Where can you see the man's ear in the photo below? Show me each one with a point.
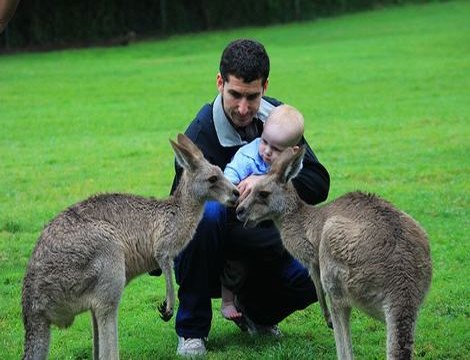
(265, 87)
(220, 83)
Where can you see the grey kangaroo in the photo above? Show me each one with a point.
(87, 254)
(359, 249)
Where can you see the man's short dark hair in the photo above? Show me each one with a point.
(245, 59)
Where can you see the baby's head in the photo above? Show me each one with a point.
(283, 128)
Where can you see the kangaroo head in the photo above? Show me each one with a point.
(270, 197)
(202, 180)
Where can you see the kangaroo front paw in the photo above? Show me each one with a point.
(165, 314)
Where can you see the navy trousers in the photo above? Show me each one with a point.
(276, 283)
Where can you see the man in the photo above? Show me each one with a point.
(276, 285)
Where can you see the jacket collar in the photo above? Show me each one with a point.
(226, 133)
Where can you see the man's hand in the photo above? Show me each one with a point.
(247, 184)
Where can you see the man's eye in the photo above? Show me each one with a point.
(213, 179)
(252, 97)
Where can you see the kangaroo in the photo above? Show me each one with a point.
(359, 249)
(87, 254)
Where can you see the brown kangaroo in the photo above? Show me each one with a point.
(87, 254)
(359, 249)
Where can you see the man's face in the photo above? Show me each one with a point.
(241, 100)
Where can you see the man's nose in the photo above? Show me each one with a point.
(243, 106)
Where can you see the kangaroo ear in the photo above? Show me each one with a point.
(187, 143)
(288, 164)
(187, 154)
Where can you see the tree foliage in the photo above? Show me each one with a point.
(63, 23)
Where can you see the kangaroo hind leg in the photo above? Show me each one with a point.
(340, 316)
(401, 323)
(107, 334)
(37, 338)
(106, 298)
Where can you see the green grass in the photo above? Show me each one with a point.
(386, 99)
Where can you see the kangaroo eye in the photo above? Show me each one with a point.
(264, 194)
(213, 179)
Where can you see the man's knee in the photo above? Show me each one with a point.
(203, 251)
(214, 213)
(299, 283)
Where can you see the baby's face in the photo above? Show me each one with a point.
(273, 142)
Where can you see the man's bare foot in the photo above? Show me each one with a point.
(230, 312)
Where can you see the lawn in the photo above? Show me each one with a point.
(386, 99)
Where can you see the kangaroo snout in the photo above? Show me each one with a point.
(231, 199)
(241, 213)
(235, 195)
